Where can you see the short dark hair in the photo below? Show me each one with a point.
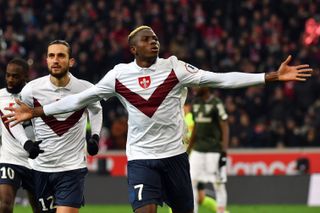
(63, 42)
(20, 62)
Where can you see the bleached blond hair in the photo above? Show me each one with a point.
(136, 30)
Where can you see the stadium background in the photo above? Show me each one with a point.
(249, 36)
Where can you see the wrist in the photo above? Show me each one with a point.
(272, 76)
(28, 145)
(95, 137)
(37, 112)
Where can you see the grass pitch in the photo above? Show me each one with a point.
(231, 208)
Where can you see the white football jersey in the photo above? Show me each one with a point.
(63, 136)
(153, 99)
(11, 151)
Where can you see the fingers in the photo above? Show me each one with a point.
(302, 66)
(287, 60)
(300, 79)
(8, 116)
(38, 142)
(11, 109)
(305, 71)
(13, 123)
(11, 120)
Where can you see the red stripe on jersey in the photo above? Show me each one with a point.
(150, 106)
(5, 124)
(60, 127)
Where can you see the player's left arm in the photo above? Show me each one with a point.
(95, 118)
(189, 75)
(224, 126)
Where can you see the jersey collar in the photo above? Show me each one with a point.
(67, 87)
(151, 68)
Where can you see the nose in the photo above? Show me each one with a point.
(55, 59)
(10, 81)
(153, 41)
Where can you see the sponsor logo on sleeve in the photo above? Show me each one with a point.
(191, 68)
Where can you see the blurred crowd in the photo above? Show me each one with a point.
(218, 35)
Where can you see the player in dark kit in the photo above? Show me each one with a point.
(209, 141)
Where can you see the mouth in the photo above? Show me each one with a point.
(55, 67)
(155, 49)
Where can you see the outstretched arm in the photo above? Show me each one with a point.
(238, 79)
(66, 104)
(102, 90)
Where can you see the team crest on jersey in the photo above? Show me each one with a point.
(191, 68)
(144, 81)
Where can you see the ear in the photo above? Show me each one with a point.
(133, 50)
(72, 62)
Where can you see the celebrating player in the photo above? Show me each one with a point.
(150, 89)
(60, 171)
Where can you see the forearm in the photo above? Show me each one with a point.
(95, 119)
(19, 133)
(225, 136)
(71, 103)
(231, 79)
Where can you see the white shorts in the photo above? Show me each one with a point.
(204, 167)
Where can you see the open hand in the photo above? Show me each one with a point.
(293, 73)
(18, 114)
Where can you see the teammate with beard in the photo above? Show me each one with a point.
(150, 88)
(60, 171)
(15, 171)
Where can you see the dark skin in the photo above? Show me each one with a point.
(15, 79)
(145, 47)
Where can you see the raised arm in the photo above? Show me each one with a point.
(189, 75)
(285, 72)
(102, 90)
(66, 104)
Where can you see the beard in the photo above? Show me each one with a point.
(16, 89)
(59, 74)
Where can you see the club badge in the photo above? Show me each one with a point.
(144, 81)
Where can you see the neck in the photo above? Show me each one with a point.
(145, 63)
(60, 82)
(206, 96)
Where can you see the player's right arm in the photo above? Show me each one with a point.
(102, 90)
